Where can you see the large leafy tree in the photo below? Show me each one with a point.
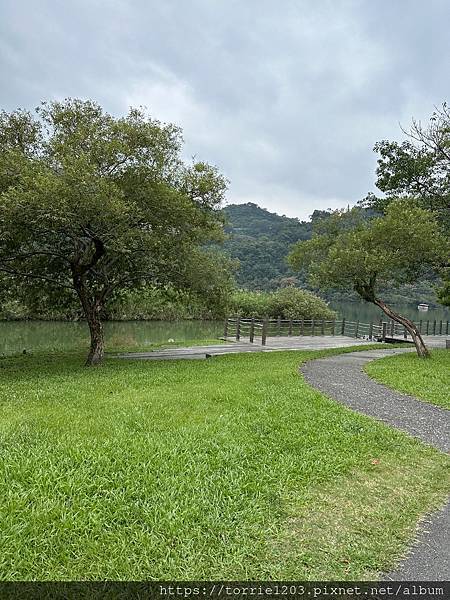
(348, 252)
(419, 169)
(91, 205)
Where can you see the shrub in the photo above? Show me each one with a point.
(161, 305)
(288, 303)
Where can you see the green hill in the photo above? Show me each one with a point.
(261, 241)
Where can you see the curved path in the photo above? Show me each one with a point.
(341, 377)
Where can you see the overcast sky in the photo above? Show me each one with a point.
(286, 97)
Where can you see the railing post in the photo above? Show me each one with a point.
(383, 335)
(392, 328)
(371, 330)
(252, 330)
(343, 326)
(420, 326)
(446, 329)
(225, 328)
(322, 328)
(302, 327)
(434, 327)
(356, 328)
(313, 325)
(334, 327)
(238, 329)
(440, 327)
(290, 328)
(405, 333)
(264, 333)
(428, 326)
(279, 326)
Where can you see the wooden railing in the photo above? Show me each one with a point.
(253, 329)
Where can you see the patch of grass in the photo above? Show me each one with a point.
(230, 468)
(427, 379)
(115, 349)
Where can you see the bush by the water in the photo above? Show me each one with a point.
(288, 303)
(146, 304)
(153, 304)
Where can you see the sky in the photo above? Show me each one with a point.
(286, 97)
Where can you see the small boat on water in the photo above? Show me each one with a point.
(422, 307)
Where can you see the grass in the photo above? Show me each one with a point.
(427, 379)
(156, 346)
(231, 468)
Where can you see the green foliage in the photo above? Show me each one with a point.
(289, 303)
(92, 205)
(260, 240)
(231, 468)
(444, 291)
(159, 304)
(419, 169)
(351, 253)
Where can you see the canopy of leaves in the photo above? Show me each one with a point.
(109, 200)
(349, 252)
(419, 168)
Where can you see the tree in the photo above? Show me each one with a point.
(349, 252)
(91, 205)
(419, 169)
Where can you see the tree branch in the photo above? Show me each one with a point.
(32, 276)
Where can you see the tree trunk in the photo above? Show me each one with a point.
(97, 348)
(91, 309)
(422, 350)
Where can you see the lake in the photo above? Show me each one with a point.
(365, 312)
(36, 336)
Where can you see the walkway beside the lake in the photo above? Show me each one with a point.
(276, 343)
(342, 378)
(303, 342)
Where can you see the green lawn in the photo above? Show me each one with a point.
(229, 468)
(427, 379)
(156, 347)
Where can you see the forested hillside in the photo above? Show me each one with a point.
(261, 241)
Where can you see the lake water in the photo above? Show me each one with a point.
(16, 336)
(36, 336)
(365, 312)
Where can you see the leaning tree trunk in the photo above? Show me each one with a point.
(422, 350)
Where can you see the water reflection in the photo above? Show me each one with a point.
(34, 336)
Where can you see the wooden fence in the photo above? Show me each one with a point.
(254, 329)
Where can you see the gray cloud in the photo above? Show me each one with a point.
(287, 98)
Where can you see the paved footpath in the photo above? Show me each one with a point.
(305, 342)
(278, 343)
(342, 378)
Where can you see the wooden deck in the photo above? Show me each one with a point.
(275, 344)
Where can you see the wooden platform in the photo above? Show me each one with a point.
(317, 342)
(273, 344)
